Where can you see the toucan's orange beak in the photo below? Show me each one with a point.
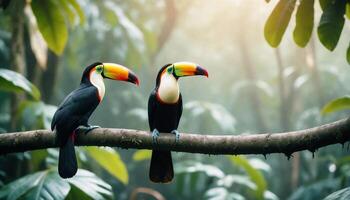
(119, 72)
(189, 69)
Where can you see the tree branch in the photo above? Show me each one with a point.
(287, 143)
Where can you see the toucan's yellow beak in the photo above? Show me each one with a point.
(119, 72)
(189, 69)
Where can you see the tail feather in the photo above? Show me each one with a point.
(67, 163)
(161, 169)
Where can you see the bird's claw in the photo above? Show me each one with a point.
(86, 129)
(155, 135)
(177, 135)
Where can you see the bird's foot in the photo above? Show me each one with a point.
(86, 129)
(155, 135)
(177, 135)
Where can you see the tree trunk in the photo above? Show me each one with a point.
(49, 77)
(284, 115)
(310, 58)
(284, 123)
(18, 63)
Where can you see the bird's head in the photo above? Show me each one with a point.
(181, 69)
(110, 71)
(167, 85)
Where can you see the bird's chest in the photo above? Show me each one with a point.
(168, 91)
(97, 81)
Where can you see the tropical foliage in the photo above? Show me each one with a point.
(251, 89)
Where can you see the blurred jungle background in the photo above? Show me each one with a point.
(252, 88)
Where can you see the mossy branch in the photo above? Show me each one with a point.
(287, 143)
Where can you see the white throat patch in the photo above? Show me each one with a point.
(168, 90)
(97, 80)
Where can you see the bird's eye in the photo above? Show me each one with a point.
(170, 69)
(99, 68)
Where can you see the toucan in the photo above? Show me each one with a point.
(164, 113)
(74, 112)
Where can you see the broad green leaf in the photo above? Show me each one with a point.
(221, 193)
(316, 190)
(254, 174)
(91, 185)
(15, 82)
(75, 193)
(110, 160)
(343, 194)
(51, 24)
(209, 170)
(50, 186)
(143, 154)
(233, 179)
(19, 187)
(278, 21)
(348, 54)
(41, 185)
(304, 22)
(336, 105)
(325, 3)
(331, 24)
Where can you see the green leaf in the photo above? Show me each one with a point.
(51, 24)
(234, 180)
(325, 3)
(91, 185)
(110, 160)
(336, 105)
(41, 185)
(195, 167)
(50, 186)
(15, 82)
(278, 21)
(343, 194)
(19, 187)
(143, 154)
(304, 22)
(254, 174)
(331, 24)
(221, 193)
(316, 190)
(75, 193)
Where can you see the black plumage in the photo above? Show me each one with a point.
(74, 111)
(165, 118)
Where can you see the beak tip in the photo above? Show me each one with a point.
(202, 71)
(133, 78)
(206, 74)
